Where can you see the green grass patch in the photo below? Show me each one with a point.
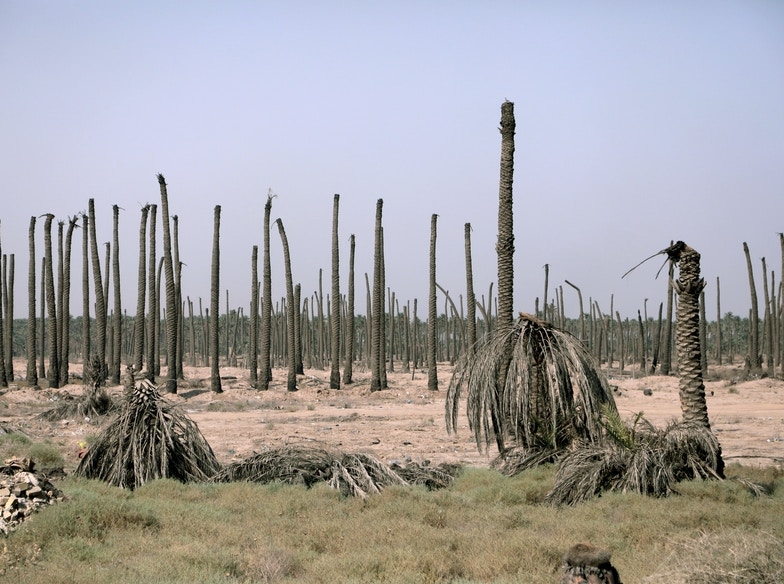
(485, 528)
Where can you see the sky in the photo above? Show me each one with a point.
(638, 123)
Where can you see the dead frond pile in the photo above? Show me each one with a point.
(150, 439)
(353, 474)
(95, 402)
(640, 459)
(513, 461)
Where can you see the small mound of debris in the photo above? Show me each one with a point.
(22, 492)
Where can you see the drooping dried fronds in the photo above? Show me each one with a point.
(93, 404)
(552, 392)
(652, 464)
(354, 474)
(150, 439)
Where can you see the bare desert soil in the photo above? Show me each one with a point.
(404, 422)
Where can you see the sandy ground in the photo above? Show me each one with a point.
(404, 422)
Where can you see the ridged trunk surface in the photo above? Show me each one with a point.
(215, 380)
(291, 379)
(348, 369)
(53, 375)
(334, 377)
(265, 365)
(100, 299)
(171, 292)
(141, 290)
(432, 315)
(152, 302)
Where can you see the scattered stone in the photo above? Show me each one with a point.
(22, 492)
(647, 391)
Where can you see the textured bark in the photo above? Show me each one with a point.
(177, 265)
(432, 315)
(141, 289)
(505, 245)
(265, 365)
(152, 302)
(32, 372)
(291, 380)
(253, 363)
(171, 292)
(348, 368)
(215, 380)
(718, 321)
(755, 359)
(53, 375)
(86, 348)
(334, 377)
(8, 303)
(377, 296)
(470, 297)
(3, 301)
(117, 320)
(665, 349)
(65, 314)
(100, 299)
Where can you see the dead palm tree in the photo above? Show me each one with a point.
(117, 320)
(432, 314)
(505, 245)
(348, 368)
(152, 306)
(100, 298)
(85, 292)
(215, 380)
(755, 358)
(470, 297)
(376, 341)
(334, 377)
(32, 372)
(666, 344)
(3, 301)
(65, 315)
(171, 292)
(8, 303)
(291, 380)
(266, 303)
(54, 353)
(141, 287)
(253, 348)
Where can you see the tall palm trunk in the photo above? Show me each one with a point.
(32, 372)
(8, 306)
(291, 381)
(755, 359)
(42, 322)
(718, 321)
(65, 313)
(3, 301)
(298, 365)
(141, 288)
(117, 320)
(59, 299)
(432, 315)
(254, 318)
(334, 378)
(470, 296)
(666, 344)
(215, 381)
(85, 292)
(177, 266)
(171, 292)
(100, 299)
(348, 368)
(152, 306)
(266, 304)
(505, 245)
(53, 375)
(377, 298)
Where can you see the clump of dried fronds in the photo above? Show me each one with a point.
(513, 461)
(432, 477)
(532, 384)
(95, 402)
(150, 439)
(354, 474)
(738, 555)
(642, 459)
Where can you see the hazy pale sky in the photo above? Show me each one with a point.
(638, 123)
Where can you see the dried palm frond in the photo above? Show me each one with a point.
(94, 403)
(652, 465)
(150, 439)
(354, 474)
(552, 391)
(432, 477)
(513, 461)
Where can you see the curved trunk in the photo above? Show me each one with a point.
(171, 292)
(291, 381)
(755, 359)
(215, 381)
(432, 315)
(100, 299)
(334, 377)
(266, 305)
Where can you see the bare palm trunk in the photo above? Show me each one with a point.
(117, 320)
(53, 375)
(334, 377)
(376, 341)
(215, 380)
(32, 372)
(266, 304)
(348, 368)
(141, 287)
(171, 292)
(8, 297)
(432, 315)
(3, 301)
(254, 318)
(470, 297)
(65, 313)
(100, 299)
(85, 293)
(755, 359)
(291, 381)
(152, 306)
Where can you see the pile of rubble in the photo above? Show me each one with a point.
(22, 492)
